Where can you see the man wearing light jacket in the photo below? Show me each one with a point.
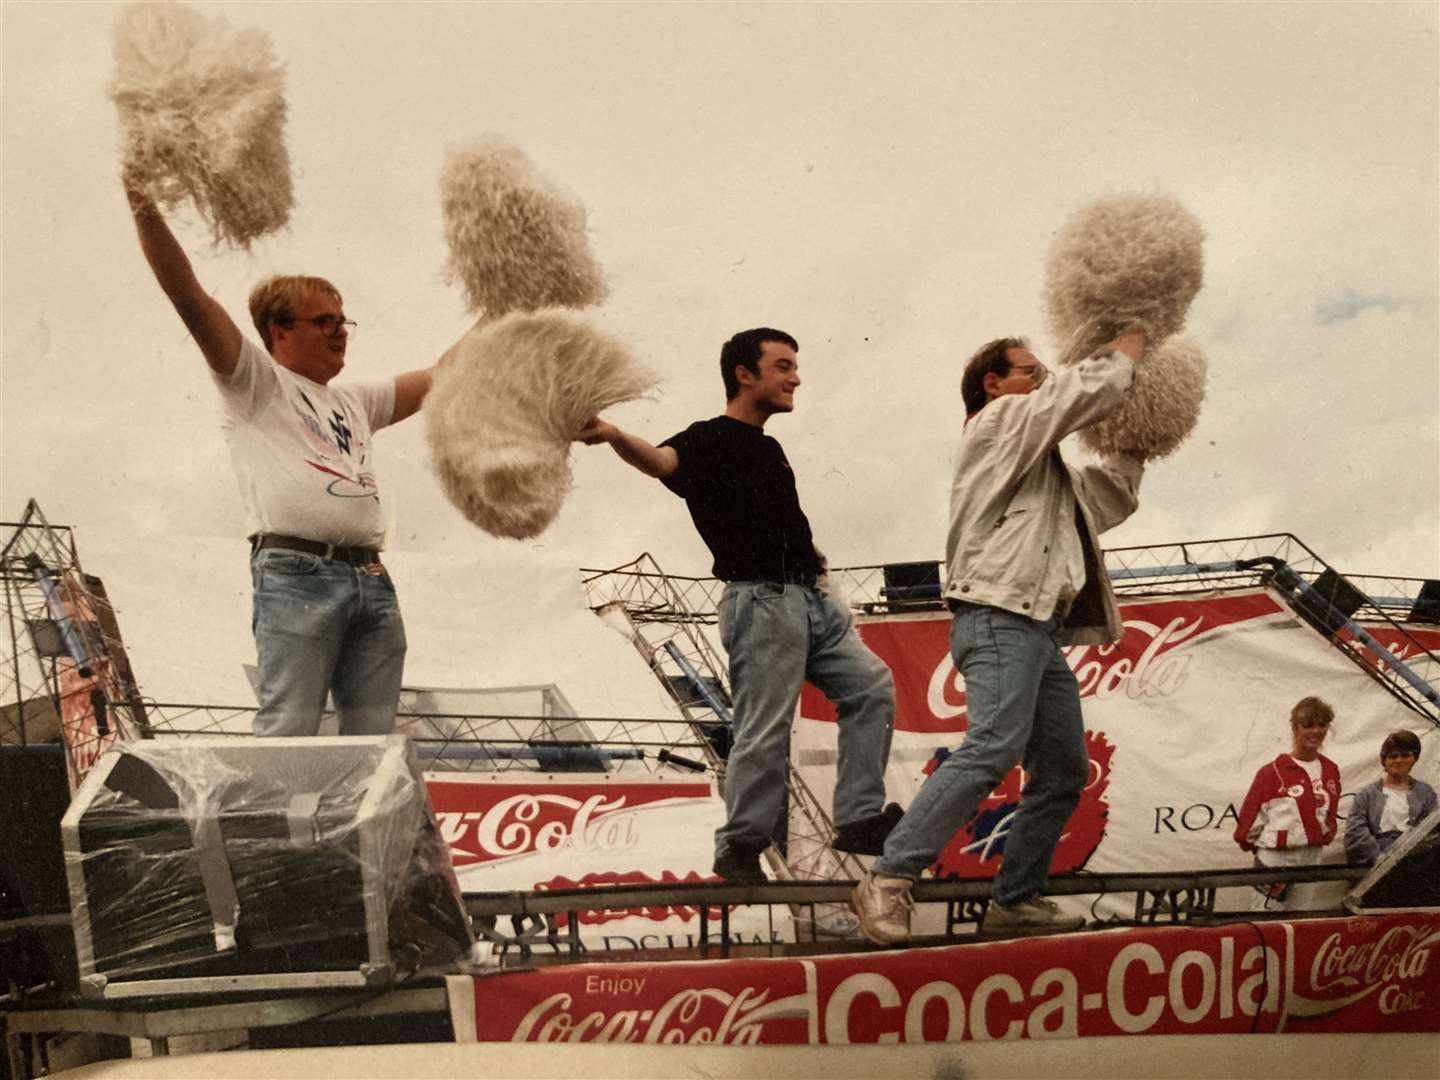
(1024, 577)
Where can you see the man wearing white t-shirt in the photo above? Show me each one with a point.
(325, 615)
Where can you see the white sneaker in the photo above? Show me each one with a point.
(1037, 915)
(884, 904)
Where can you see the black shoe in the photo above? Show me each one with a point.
(867, 836)
(740, 865)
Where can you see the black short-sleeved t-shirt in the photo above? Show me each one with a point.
(741, 494)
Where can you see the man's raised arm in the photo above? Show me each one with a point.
(213, 329)
(656, 461)
(411, 387)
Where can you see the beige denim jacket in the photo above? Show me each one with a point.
(1023, 523)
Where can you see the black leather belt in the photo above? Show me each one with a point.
(355, 556)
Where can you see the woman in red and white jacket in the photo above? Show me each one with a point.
(1289, 813)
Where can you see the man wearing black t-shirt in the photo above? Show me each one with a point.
(778, 625)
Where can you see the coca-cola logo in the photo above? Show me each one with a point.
(1147, 662)
(1106, 985)
(1402, 952)
(703, 1015)
(1140, 981)
(1152, 660)
(484, 822)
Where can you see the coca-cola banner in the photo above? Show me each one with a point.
(527, 834)
(1179, 715)
(1370, 974)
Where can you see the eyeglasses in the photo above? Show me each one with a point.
(1036, 371)
(329, 325)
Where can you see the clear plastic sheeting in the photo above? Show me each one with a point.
(226, 857)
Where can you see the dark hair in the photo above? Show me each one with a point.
(1312, 709)
(990, 357)
(1402, 741)
(743, 350)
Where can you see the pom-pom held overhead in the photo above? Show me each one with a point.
(503, 413)
(202, 117)
(517, 240)
(1122, 261)
(1162, 407)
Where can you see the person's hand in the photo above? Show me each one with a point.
(1131, 343)
(596, 431)
(140, 203)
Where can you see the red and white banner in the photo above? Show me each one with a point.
(1179, 715)
(1371, 974)
(509, 831)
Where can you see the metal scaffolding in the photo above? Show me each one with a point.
(65, 675)
(667, 619)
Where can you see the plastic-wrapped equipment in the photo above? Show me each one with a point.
(213, 863)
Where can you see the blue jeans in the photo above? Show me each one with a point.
(777, 636)
(323, 625)
(1023, 704)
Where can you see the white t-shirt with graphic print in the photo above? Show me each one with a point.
(302, 452)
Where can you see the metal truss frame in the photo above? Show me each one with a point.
(64, 669)
(475, 742)
(667, 618)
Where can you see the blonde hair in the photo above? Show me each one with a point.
(272, 300)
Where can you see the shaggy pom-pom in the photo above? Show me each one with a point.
(517, 241)
(202, 117)
(502, 415)
(1118, 262)
(1162, 407)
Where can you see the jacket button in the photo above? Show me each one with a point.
(1045, 550)
(1026, 605)
(964, 588)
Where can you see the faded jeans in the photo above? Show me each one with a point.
(322, 625)
(778, 636)
(1023, 705)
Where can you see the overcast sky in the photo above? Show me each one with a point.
(880, 180)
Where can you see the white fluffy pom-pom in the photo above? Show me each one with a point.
(517, 241)
(502, 415)
(202, 117)
(1122, 261)
(1162, 407)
